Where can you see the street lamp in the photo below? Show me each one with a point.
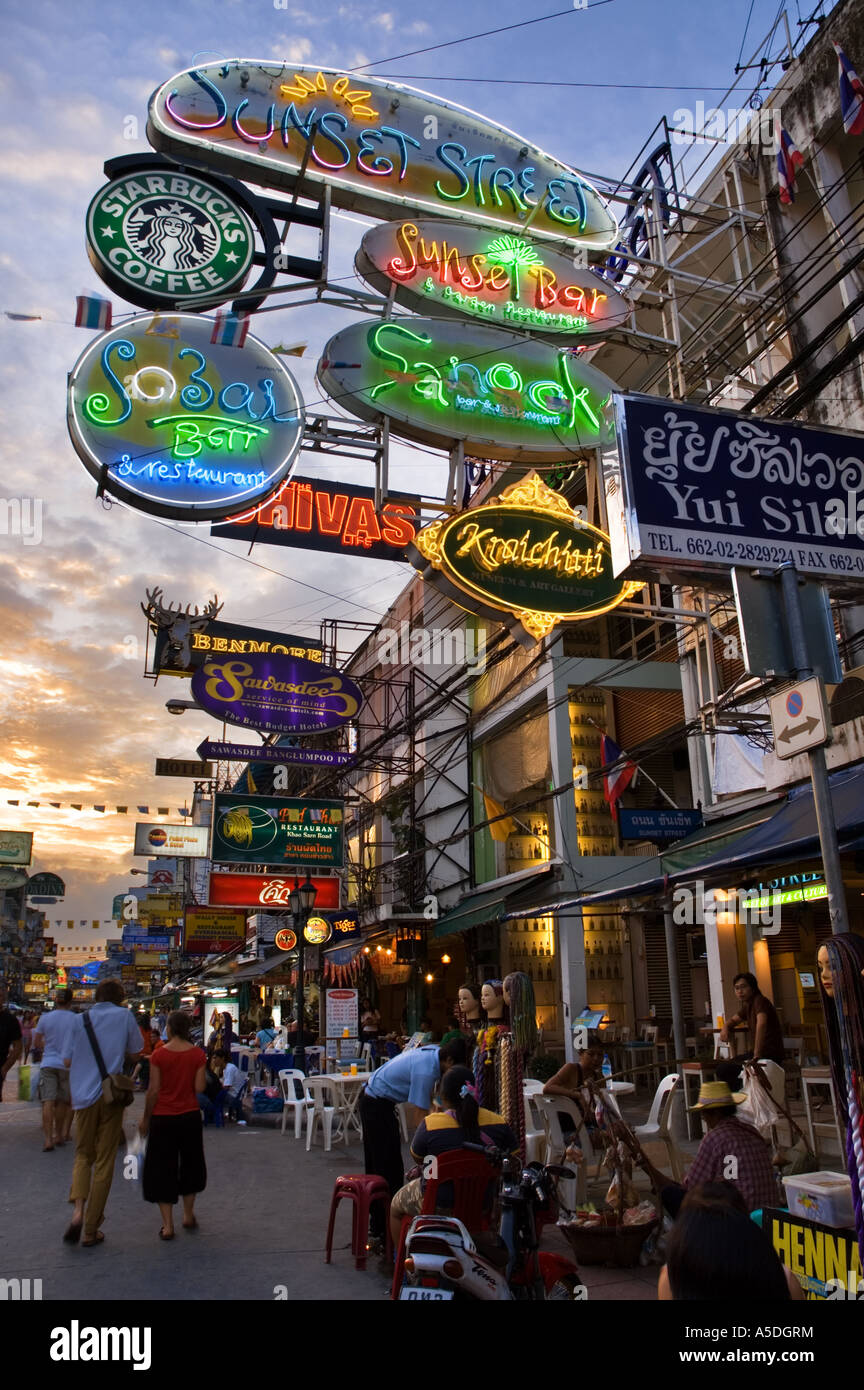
(302, 899)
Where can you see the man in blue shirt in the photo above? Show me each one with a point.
(408, 1079)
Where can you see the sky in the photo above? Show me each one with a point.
(80, 723)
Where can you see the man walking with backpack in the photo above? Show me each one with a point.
(105, 1040)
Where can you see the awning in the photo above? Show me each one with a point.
(481, 908)
(253, 971)
(767, 836)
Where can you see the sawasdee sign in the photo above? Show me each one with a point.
(174, 424)
(700, 490)
(277, 830)
(526, 553)
(280, 693)
(163, 238)
(440, 382)
(459, 271)
(377, 145)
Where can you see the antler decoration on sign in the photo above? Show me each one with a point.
(180, 623)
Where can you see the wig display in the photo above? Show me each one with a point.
(487, 1060)
(515, 1048)
(843, 1005)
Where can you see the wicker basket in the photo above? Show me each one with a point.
(608, 1244)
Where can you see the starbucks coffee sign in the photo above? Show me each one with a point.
(526, 553)
(166, 239)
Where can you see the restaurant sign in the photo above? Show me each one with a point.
(277, 830)
(208, 930)
(377, 146)
(267, 890)
(173, 841)
(176, 424)
(339, 518)
(16, 846)
(525, 553)
(162, 237)
(697, 490)
(459, 271)
(440, 382)
(272, 753)
(282, 694)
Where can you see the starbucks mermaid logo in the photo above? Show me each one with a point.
(170, 236)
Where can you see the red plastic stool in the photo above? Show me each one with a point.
(362, 1189)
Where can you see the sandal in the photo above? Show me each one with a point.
(190, 1225)
(165, 1235)
(72, 1234)
(47, 1148)
(97, 1239)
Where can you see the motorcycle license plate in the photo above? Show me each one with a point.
(413, 1295)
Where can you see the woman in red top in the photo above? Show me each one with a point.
(174, 1162)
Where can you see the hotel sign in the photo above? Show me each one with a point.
(459, 271)
(339, 518)
(525, 553)
(282, 694)
(214, 638)
(273, 753)
(440, 382)
(277, 830)
(378, 147)
(178, 426)
(163, 238)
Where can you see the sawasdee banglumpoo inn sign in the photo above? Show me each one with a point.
(378, 146)
(459, 271)
(176, 425)
(440, 382)
(525, 553)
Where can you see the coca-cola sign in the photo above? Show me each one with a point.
(267, 890)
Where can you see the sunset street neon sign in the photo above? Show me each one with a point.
(178, 426)
(506, 279)
(377, 145)
(525, 553)
(440, 382)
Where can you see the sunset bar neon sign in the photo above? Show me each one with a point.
(377, 145)
(462, 271)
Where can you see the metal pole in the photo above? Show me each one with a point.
(678, 1031)
(299, 1050)
(818, 767)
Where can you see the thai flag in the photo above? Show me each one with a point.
(230, 329)
(789, 158)
(851, 95)
(616, 784)
(92, 312)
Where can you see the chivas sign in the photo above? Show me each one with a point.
(283, 694)
(174, 424)
(440, 382)
(467, 272)
(162, 238)
(378, 146)
(525, 553)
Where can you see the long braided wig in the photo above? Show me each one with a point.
(516, 1048)
(523, 1012)
(844, 1020)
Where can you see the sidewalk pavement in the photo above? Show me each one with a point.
(263, 1222)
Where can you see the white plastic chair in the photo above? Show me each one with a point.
(532, 1088)
(402, 1116)
(367, 1055)
(293, 1086)
(327, 1105)
(535, 1130)
(551, 1109)
(657, 1129)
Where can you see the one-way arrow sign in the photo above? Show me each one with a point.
(799, 718)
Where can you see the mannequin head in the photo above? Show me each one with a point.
(468, 1003)
(841, 980)
(519, 996)
(492, 1000)
(826, 975)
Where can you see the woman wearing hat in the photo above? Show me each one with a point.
(731, 1150)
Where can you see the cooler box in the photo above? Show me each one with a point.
(822, 1197)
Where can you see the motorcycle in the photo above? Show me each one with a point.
(443, 1261)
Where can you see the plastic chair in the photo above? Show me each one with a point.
(558, 1140)
(656, 1128)
(535, 1131)
(402, 1117)
(532, 1088)
(793, 1053)
(471, 1176)
(293, 1086)
(362, 1190)
(327, 1105)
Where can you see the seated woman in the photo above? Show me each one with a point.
(569, 1081)
(460, 1121)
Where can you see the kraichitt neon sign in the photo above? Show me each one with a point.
(181, 427)
(439, 382)
(378, 146)
(467, 272)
